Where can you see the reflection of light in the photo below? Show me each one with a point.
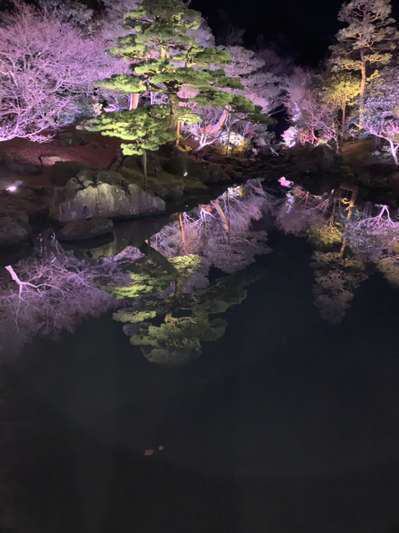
(12, 188)
(185, 174)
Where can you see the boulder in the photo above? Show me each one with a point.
(107, 195)
(13, 230)
(82, 230)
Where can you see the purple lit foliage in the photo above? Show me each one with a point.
(373, 237)
(220, 232)
(48, 69)
(300, 210)
(381, 113)
(313, 120)
(54, 292)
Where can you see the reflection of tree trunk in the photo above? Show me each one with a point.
(134, 100)
(182, 232)
(351, 207)
(363, 83)
(222, 215)
(343, 125)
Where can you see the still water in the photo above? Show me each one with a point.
(286, 424)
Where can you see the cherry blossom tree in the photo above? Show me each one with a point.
(261, 86)
(381, 113)
(313, 118)
(48, 70)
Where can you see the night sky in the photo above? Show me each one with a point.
(303, 29)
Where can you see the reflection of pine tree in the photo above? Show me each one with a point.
(174, 309)
(335, 281)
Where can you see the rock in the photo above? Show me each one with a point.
(13, 230)
(85, 229)
(110, 195)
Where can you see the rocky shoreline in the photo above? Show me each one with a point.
(79, 203)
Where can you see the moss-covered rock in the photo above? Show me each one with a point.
(106, 195)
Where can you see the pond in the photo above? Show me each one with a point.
(286, 423)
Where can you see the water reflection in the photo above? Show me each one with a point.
(349, 242)
(178, 305)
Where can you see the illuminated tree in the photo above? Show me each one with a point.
(145, 129)
(48, 69)
(381, 114)
(260, 86)
(310, 114)
(166, 58)
(367, 42)
(341, 92)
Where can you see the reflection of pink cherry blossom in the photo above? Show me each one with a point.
(285, 183)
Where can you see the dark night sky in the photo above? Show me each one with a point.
(304, 28)
(301, 28)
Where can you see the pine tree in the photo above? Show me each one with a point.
(145, 129)
(167, 59)
(341, 91)
(367, 42)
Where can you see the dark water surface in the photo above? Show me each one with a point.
(287, 424)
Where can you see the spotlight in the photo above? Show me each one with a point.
(12, 188)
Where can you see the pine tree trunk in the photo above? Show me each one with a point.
(134, 101)
(178, 132)
(343, 126)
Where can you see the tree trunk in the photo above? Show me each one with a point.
(134, 101)
(178, 132)
(216, 128)
(394, 151)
